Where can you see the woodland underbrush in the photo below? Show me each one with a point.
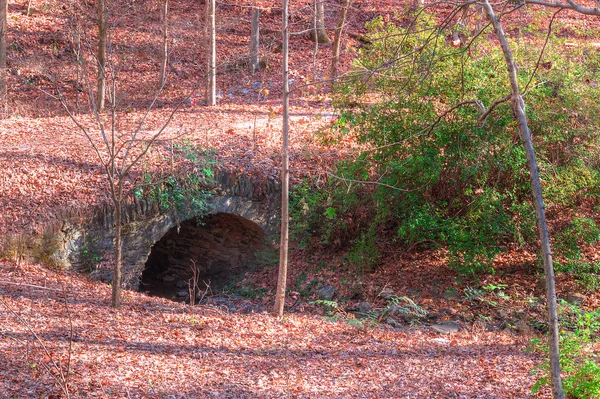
(443, 167)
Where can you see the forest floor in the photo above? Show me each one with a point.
(155, 348)
(54, 320)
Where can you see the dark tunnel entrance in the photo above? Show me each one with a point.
(221, 247)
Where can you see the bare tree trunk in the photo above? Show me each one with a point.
(319, 34)
(3, 31)
(314, 32)
(254, 41)
(118, 259)
(78, 53)
(518, 107)
(28, 7)
(211, 86)
(285, 176)
(102, 39)
(337, 38)
(164, 51)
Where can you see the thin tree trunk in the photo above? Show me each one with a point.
(116, 280)
(102, 38)
(79, 59)
(254, 41)
(285, 176)
(319, 34)
(3, 31)
(164, 51)
(315, 31)
(28, 7)
(518, 107)
(211, 86)
(337, 38)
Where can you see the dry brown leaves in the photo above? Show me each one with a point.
(154, 348)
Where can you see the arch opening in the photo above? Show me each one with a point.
(214, 250)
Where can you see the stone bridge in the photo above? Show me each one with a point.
(242, 215)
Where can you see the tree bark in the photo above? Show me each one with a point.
(518, 107)
(211, 86)
(3, 32)
(318, 34)
(79, 58)
(116, 280)
(285, 176)
(164, 54)
(102, 39)
(255, 41)
(337, 38)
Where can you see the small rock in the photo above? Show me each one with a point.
(362, 315)
(468, 317)
(450, 295)
(245, 308)
(434, 316)
(182, 293)
(446, 327)
(393, 322)
(449, 311)
(387, 293)
(169, 278)
(364, 307)
(257, 308)
(523, 328)
(410, 318)
(395, 309)
(575, 298)
(218, 300)
(221, 301)
(244, 91)
(256, 85)
(326, 293)
(181, 284)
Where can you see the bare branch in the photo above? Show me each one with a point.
(537, 64)
(483, 117)
(570, 5)
(376, 183)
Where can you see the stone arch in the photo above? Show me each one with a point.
(80, 240)
(213, 250)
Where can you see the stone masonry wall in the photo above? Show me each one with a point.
(218, 246)
(84, 242)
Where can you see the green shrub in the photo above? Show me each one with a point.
(586, 273)
(456, 181)
(184, 189)
(364, 254)
(579, 364)
(580, 231)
